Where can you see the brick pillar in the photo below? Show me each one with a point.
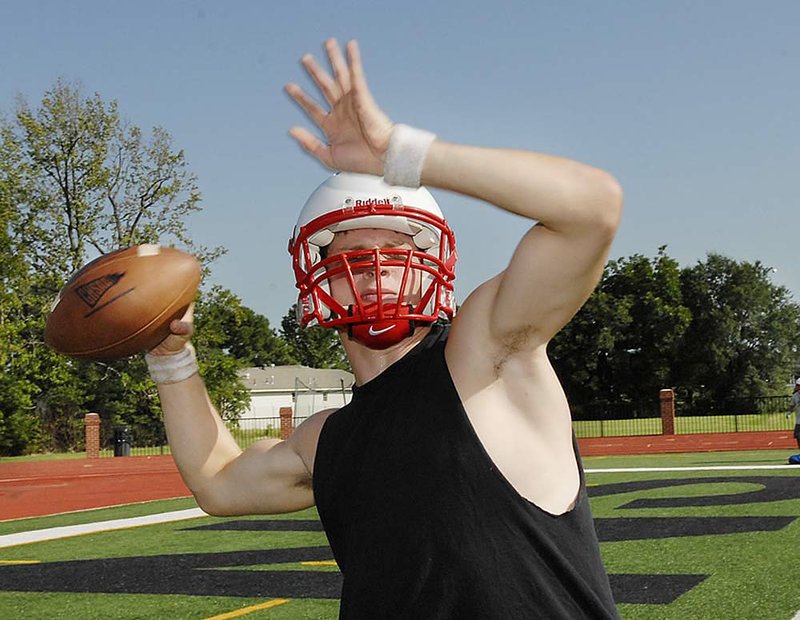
(287, 425)
(667, 398)
(92, 423)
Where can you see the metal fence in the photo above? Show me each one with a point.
(733, 405)
(616, 418)
(256, 430)
(260, 428)
(731, 415)
(597, 419)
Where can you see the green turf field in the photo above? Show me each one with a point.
(734, 532)
(747, 571)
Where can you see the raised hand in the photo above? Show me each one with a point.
(181, 331)
(355, 129)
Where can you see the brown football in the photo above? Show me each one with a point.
(122, 303)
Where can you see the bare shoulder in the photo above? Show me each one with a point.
(305, 437)
(271, 476)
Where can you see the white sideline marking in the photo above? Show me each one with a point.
(22, 538)
(622, 470)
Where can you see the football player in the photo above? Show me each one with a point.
(451, 485)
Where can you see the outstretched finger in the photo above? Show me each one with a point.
(315, 111)
(362, 97)
(341, 72)
(327, 86)
(312, 145)
(359, 80)
(356, 68)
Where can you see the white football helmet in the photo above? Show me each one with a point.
(348, 201)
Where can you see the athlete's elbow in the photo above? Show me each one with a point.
(206, 504)
(210, 508)
(601, 199)
(613, 202)
(213, 503)
(604, 193)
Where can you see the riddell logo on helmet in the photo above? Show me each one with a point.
(372, 201)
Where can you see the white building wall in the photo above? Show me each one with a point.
(309, 403)
(264, 409)
(264, 405)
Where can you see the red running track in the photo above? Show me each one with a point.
(711, 442)
(29, 489)
(36, 488)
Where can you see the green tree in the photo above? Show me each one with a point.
(316, 347)
(242, 332)
(230, 337)
(742, 340)
(18, 424)
(621, 346)
(646, 350)
(77, 181)
(94, 184)
(717, 330)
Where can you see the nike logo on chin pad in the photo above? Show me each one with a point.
(378, 332)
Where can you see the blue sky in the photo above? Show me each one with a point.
(693, 106)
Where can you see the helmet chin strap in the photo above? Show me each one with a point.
(382, 333)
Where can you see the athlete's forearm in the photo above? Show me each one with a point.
(200, 443)
(562, 194)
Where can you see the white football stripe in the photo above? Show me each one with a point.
(22, 538)
(148, 249)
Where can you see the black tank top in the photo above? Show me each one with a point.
(424, 526)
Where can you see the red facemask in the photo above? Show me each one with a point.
(421, 290)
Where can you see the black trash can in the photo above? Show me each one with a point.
(122, 441)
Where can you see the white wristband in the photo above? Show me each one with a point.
(408, 147)
(165, 369)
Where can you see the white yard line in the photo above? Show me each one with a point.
(621, 470)
(22, 538)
